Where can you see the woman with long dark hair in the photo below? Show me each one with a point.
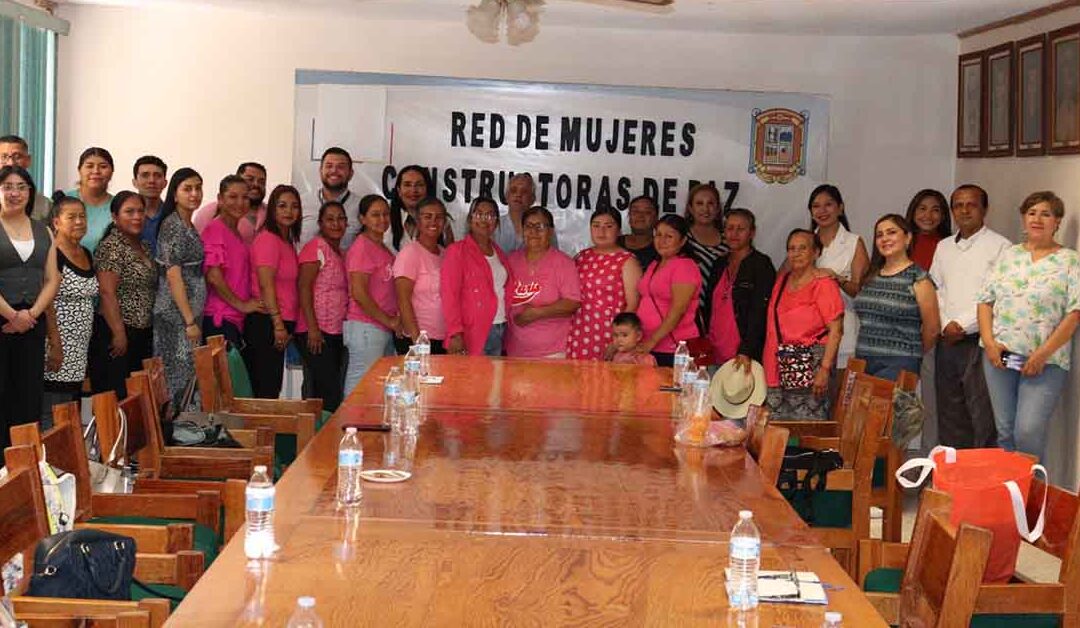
(181, 297)
(95, 173)
(412, 186)
(670, 291)
(275, 271)
(897, 306)
(843, 257)
(28, 283)
(928, 215)
(123, 330)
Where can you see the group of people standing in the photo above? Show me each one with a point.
(116, 279)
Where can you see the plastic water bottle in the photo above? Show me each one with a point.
(681, 363)
(413, 368)
(391, 390)
(350, 490)
(686, 389)
(744, 562)
(408, 411)
(833, 619)
(259, 535)
(304, 616)
(423, 349)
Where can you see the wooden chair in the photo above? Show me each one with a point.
(23, 522)
(1022, 603)
(765, 442)
(941, 581)
(858, 445)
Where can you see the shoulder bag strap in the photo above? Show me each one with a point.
(671, 334)
(776, 308)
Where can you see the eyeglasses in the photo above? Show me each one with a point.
(535, 227)
(10, 158)
(21, 188)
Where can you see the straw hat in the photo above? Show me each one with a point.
(733, 390)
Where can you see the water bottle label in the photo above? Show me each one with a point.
(412, 365)
(681, 360)
(688, 377)
(349, 458)
(745, 548)
(393, 390)
(423, 349)
(408, 397)
(260, 503)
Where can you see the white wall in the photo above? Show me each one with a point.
(211, 87)
(1008, 180)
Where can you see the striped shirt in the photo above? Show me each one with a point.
(890, 324)
(706, 258)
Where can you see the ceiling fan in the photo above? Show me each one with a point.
(521, 18)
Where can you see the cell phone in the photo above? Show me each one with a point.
(1014, 361)
(366, 427)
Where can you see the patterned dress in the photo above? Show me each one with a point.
(178, 245)
(74, 306)
(602, 297)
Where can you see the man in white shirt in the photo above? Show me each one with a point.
(335, 173)
(520, 195)
(965, 417)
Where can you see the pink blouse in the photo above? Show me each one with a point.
(271, 251)
(225, 249)
(331, 288)
(655, 289)
(422, 266)
(805, 315)
(377, 262)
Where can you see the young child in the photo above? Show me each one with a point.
(626, 335)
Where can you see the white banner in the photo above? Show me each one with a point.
(585, 146)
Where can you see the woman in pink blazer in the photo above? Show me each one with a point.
(473, 278)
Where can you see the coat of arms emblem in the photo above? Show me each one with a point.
(778, 144)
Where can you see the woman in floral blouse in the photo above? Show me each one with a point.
(1029, 308)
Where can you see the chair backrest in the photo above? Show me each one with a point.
(1061, 536)
(140, 444)
(158, 389)
(844, 388)
(64, 449)
(867, 393)
(142, 383)
(23, 515)
(222, 376)
(943, 574)
(766, 443)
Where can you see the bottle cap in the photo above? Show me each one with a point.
(423, 331)
(833, 616)
(305, 602)
(745, 514)
(350, 430)
(260, 468)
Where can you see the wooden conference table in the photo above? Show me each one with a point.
(543, 493)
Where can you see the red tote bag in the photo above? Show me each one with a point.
(989, 488)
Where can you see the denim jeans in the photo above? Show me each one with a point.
(493, 346)
(1023, 405)
(889, 367)
(366, 343)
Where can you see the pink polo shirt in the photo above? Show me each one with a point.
(655, 289)
(422, 266)
(226, 250)
(271, 251)
(551, 278)
(330, 292)
(207, 213)
(377, 262)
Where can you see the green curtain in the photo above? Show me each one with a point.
(27, 91)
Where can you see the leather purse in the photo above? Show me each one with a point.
(85, 564)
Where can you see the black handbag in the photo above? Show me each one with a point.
(84, 564)
(816, 464)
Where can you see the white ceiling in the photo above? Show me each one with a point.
(832, 17)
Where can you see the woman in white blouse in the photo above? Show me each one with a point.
(843, 257)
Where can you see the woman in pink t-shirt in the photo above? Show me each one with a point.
(806, 311)
(274, 274)
(544, 291)
(228, 266)
(324, 297)
(670, 289)
(372, 319)
(417, 277)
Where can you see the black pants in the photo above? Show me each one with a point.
(964, 414)
(265, 363)
(324, 374)
(231, 332)
(664, 359)
(22, 369)
(109, 373)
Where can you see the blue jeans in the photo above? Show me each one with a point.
(493, 346)
(1023, 405)
(889, 367)
(366, 343)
